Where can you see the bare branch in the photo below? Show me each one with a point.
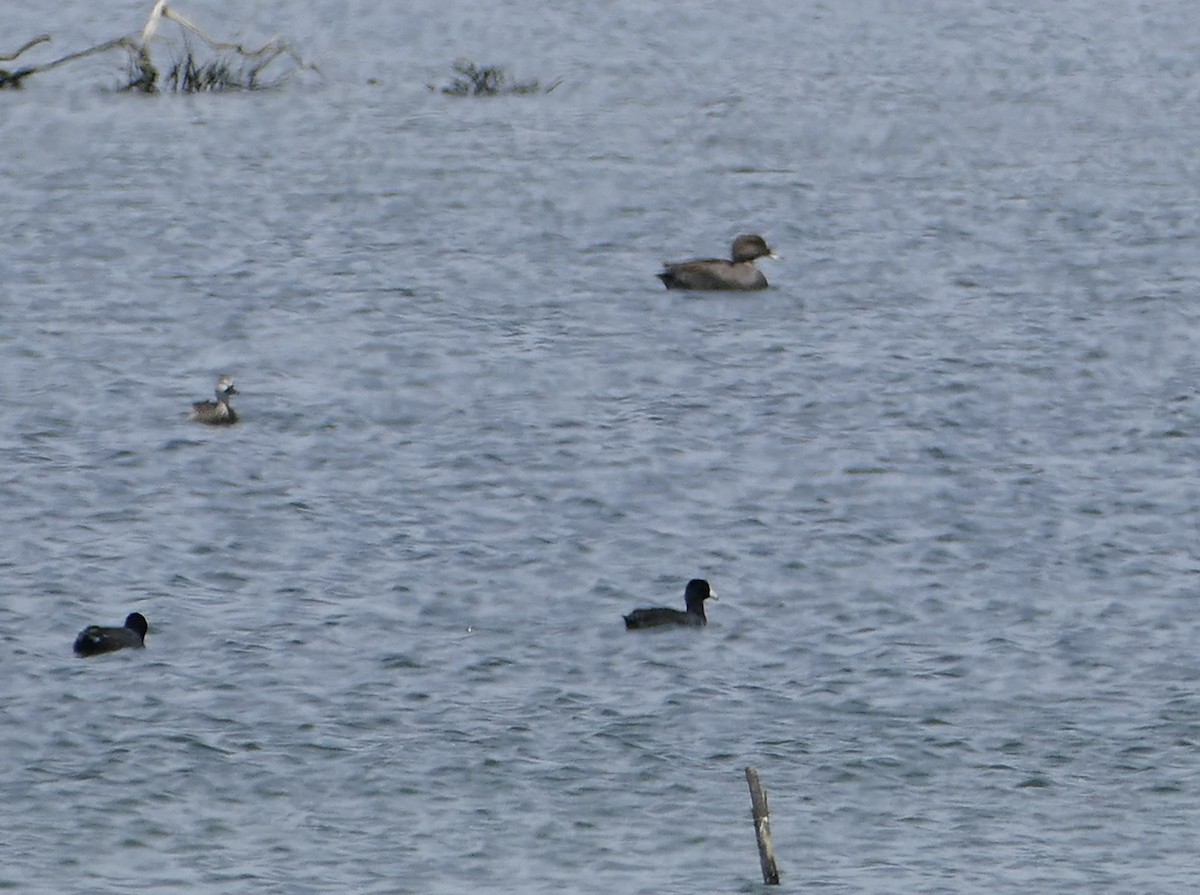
(40, 39)
(142, 66)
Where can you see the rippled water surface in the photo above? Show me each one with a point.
(942, 474)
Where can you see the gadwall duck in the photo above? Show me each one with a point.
(717, 273)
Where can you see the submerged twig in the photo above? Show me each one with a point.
(190, 76)
(489, 80)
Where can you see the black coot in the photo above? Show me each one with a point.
(694, 595)
(96, 639)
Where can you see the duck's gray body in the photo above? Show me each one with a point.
(740, 274)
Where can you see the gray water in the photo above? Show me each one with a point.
(942, 474)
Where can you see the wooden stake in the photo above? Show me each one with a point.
(762, 828)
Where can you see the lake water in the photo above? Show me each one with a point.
(942, 474)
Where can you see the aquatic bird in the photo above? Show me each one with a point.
(95, 639)
(717, 273)
(694, 595)
(218, 412)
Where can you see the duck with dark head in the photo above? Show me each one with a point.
(740, 274)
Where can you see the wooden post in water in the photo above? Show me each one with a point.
(762, 828)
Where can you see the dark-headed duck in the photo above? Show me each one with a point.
(717, 273)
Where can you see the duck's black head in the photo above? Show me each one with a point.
(696, 592)
(137, 623)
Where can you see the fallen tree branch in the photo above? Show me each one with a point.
(144, 75)
(40, 39)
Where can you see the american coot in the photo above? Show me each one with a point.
(694, 595)
(218, 412)
(717, 273)
(96, 639)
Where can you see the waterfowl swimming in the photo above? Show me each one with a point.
(694, 595)
(95, 639)
(218, 412)
(717, 273)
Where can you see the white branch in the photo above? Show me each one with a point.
(156, 15)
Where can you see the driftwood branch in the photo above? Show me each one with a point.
(273, 48)
(13, 78)
(90, 51)
(40, 39)
(762, 828)
(146, 75)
